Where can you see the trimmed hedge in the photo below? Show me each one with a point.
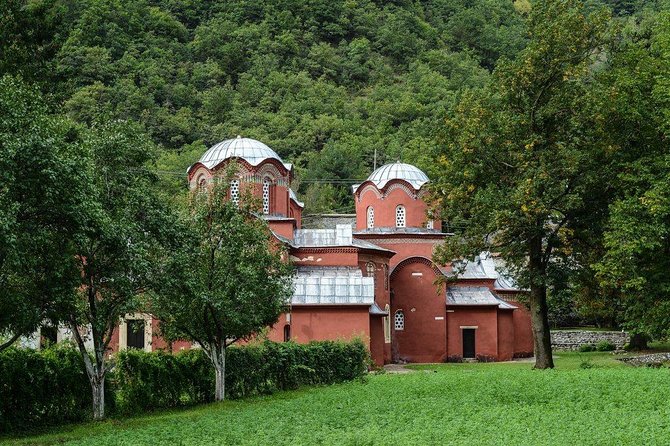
(147, 381)
(42, 388)
(49, 387)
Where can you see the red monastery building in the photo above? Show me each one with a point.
(369, 276)
(374, 278)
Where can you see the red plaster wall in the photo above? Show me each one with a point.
(377, 340)
(424, 337)
(385, 208)
(523, 332)
(283, 227)
(312, 323)
(486, 335)
(315, 257)
(506, 335)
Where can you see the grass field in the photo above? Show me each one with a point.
(505, 404)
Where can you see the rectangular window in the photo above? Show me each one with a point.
(135, 333)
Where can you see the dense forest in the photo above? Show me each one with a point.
(542, 124)
(327, 84)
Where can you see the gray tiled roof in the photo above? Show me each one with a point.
(397, 171)
(251, 150)
(467, 295)
(332, 286)
(340, 236)
(294, 197)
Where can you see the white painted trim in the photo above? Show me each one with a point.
(469, 326)
(123, 331)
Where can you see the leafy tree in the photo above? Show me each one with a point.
(125, 227)
(41, 190)
(525, 165)
(225, 283)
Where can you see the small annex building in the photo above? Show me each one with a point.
(369, 275)
(373, 276)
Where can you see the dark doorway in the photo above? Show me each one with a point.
(468, 342)
(287, 333)
(135, 332)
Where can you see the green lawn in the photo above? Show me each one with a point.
(506, 404)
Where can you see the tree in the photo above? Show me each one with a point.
(524, 168)
(41, 191)
(125, 226)
(226, 282)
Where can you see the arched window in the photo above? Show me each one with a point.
(400, 215)
(202, 184)
(429, 224)
(266, 196)
(371, 217)
(235, 191)
(399, 320)
(287, 333)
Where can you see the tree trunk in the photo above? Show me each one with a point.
(638, 341)
(10, 341)
(95, 372)
(219, 360)
(98, 388)
(538, 307)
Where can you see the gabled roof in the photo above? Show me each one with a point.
(473, 296)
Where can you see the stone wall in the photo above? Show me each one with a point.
(572, 339)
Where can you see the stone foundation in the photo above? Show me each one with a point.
(573, 339)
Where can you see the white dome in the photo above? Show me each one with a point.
(252, 151)
(398, 171)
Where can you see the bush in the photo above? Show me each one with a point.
(454, 358)
(605, 346)
(485, 358)
(51, 387)
(587, 348)
(42, 388)
(147, 381)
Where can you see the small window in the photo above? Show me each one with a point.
(235, 191)
(370, 269)
(135, 333)
(202, 184)
(429, 225)
(400, 215)
(287, 333)
(266, 196)
(371, 217)
(399, 320)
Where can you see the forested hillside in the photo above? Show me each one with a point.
(326, 83)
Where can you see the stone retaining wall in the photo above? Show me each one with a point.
(572, 339)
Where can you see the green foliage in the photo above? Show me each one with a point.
(50, 386)
(605, 346)
(41, 194)
(42, 388)
(587, 348)
(566, 406)
(309, 78)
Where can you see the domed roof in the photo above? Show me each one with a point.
(398, 171)
(252, 151)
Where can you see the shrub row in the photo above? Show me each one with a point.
(602, 346)
(50, 386)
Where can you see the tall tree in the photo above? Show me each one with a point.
(524, 166)
(226, 283)
(637, 239)
(125, 226)
(41, 193)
